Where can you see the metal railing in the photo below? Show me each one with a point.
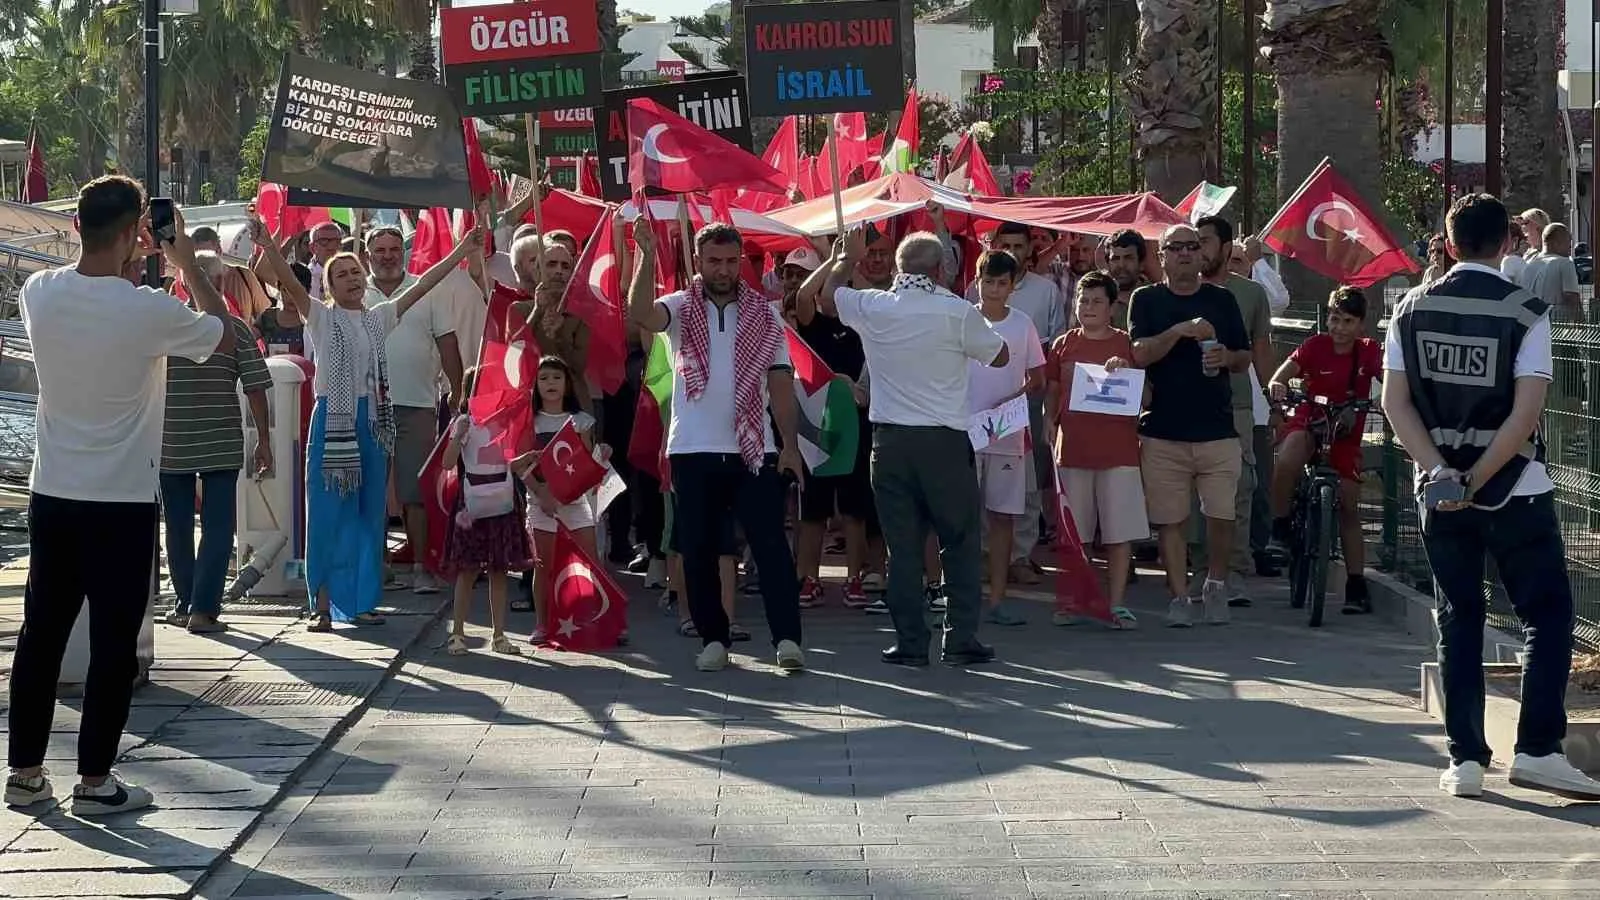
(1572, 436)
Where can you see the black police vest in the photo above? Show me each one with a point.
(1460, 337)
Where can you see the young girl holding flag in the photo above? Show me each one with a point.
(486, 536)
(555, 403)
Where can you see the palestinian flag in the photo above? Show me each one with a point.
(648, 443)
(829, 426)
(1206, 199)
(901, 154)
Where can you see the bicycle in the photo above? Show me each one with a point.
(1314, 511)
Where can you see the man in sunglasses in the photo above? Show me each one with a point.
(1189, 336)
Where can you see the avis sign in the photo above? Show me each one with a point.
(718, 104)
(826, 57)
(521, 57)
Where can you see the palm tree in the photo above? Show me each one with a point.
(1534, 150)
(1172, 92)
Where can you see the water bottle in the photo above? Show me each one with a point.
(1206, 347)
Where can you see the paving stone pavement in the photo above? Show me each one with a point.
(1263, 759)
(226, 722)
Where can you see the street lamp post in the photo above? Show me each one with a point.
(152, 117)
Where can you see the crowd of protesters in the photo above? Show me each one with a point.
(928, 524)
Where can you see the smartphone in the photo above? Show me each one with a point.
(1436, 492)
(163, 219)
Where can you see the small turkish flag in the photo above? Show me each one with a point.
(508, 417)
(1329, 229)
(669, 152)
(440, 489)
(594, 294)
(569, 469)
(1077, 587)
(587, 610)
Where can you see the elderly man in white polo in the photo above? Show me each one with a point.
(918, 338)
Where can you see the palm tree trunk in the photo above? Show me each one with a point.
(1534, 152)
(1327, 62)
(1171, 94)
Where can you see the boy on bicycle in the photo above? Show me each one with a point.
(1340, 366)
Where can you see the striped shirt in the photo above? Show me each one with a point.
(204, 429)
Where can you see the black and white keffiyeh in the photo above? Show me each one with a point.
(341, 453)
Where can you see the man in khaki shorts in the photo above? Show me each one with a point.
(1188, 336)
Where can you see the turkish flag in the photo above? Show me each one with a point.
(432, 241)
(589, 174)
(872, 168)
(508, 416)
(594, 294)
(441, 487)
(509, 360)
(479, 178)
(587, 610)
(568, 467)
(281, 219)
(969, 169)
(1329, 229)
(1077, 586)
(669, 152)
(850, 136)
(35, 183)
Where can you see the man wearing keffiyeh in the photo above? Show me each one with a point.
(731, 364)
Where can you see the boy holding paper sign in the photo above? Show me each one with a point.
(1100, 464)
(1002, 478)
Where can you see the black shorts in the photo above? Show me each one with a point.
(848, 495)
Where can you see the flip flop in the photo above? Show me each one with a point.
(686, 629)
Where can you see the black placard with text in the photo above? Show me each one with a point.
(341, 130)
(810, 58)
(718, 103)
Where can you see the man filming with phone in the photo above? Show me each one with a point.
(100, 346)
(1470, 359)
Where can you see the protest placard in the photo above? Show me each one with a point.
(566, 132)
(987, 426)
(303, 197)
(359, 134)
(1118, 393)
(521, 57)
(718, 104)
(828, 57)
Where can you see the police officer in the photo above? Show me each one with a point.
(1470, 361)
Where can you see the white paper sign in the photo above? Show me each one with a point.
(1095, 390)
(996, 422)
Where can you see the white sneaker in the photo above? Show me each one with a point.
(656, 575)
(713, 658)
(1180, 613)
(424, 583)
(790, 657)
(1214, 599)
(22, 791)
(110, 796)
(1462, 779)
(1553, 775)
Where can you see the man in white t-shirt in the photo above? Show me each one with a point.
(100, 346)
(732, 368)
(918, 338)
(1003, 466)
(1470, 361)
(420, 349)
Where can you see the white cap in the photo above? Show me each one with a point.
(805, 257)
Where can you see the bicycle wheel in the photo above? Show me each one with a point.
(1299, 551)
(1319, 525)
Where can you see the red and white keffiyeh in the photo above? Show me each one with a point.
(755, 344)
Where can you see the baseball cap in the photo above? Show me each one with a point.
(805, 257)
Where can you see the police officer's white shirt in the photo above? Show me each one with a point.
(917, 345)
(1534, 360)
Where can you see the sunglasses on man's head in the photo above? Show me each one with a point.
(1190, 246)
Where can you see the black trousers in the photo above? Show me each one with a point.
(77, 549)
(710, 487)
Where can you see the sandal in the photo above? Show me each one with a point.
(503, 645)
(686, 629)
(1125, 619)
(456, 645)
(539, 638)
(368, 618)
(320, 622)
(737, 633)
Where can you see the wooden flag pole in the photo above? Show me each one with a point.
(685, 235)
(531, 127)
(833, 166)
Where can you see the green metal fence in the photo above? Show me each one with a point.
(1572, 433)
